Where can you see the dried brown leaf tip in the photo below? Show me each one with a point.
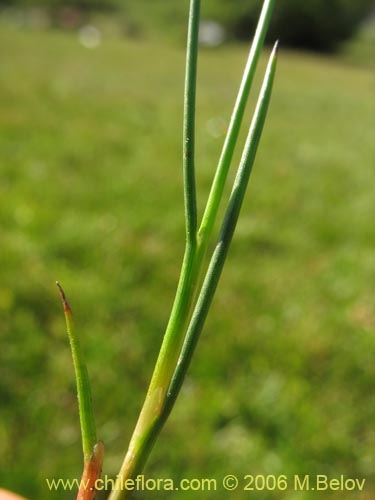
(64, 300)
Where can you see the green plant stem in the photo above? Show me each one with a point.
(218, 184)
(226, 234)
(144, 437)
(189, 123)
(86, 413)
(149, 417)
(172, 363)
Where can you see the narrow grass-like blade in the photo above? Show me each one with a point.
(86, 413)
(189, 122)
(230, 220)
(218, 184)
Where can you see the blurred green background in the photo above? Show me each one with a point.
(91, 194)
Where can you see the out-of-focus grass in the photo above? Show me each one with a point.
(91, 194)
(361, 49)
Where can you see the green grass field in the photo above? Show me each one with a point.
(91, 195)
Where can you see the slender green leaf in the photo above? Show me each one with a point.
(218, 184)
(86, 413)
(219, 255)
(189, 122)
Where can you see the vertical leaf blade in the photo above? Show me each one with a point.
(86, 412)
(189, 122)
(225, 160)
(230, 220)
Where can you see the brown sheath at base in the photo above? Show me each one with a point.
(91, 473)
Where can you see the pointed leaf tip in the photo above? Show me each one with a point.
(63, 298)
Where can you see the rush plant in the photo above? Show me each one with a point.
(199, 276)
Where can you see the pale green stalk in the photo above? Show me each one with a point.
(181, 336)
(147, 424)
(230, 220)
